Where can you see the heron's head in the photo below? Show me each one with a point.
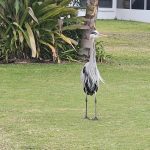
(95, 34)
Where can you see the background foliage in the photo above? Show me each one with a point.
(101, 54)
(34, 29)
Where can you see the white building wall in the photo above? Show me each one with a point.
(81, 12)
(121, 14)
(133, 14)
(105, 13)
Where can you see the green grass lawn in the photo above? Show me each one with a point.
(42, 105)
(127, 41)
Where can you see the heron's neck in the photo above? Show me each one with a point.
(92, 52)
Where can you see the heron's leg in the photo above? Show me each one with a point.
(95, 117)
(86, 117)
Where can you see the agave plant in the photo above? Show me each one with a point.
(14, 15)
(33, 28)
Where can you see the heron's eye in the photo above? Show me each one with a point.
(94, 33)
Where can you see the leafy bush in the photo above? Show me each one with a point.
(34, 29)
(101, 54)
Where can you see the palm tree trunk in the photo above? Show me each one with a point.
(91, 15)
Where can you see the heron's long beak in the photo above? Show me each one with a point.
(102, 35)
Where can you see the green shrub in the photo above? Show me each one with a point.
(101, 54)
(33, 29)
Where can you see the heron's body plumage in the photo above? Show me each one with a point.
(90, 75)
(90, 78)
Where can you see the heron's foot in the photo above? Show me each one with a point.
(95, 118)
(86, 117)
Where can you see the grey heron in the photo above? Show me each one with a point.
(90, 74)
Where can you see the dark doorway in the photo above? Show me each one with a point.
(137, 4)
(105, 3)
(148, 4)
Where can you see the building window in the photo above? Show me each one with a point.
(105, 3)
(125, 4)
(78, 3)
(137, 4)
(82, 3)
(148, 4)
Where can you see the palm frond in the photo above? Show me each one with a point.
(32, 40)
